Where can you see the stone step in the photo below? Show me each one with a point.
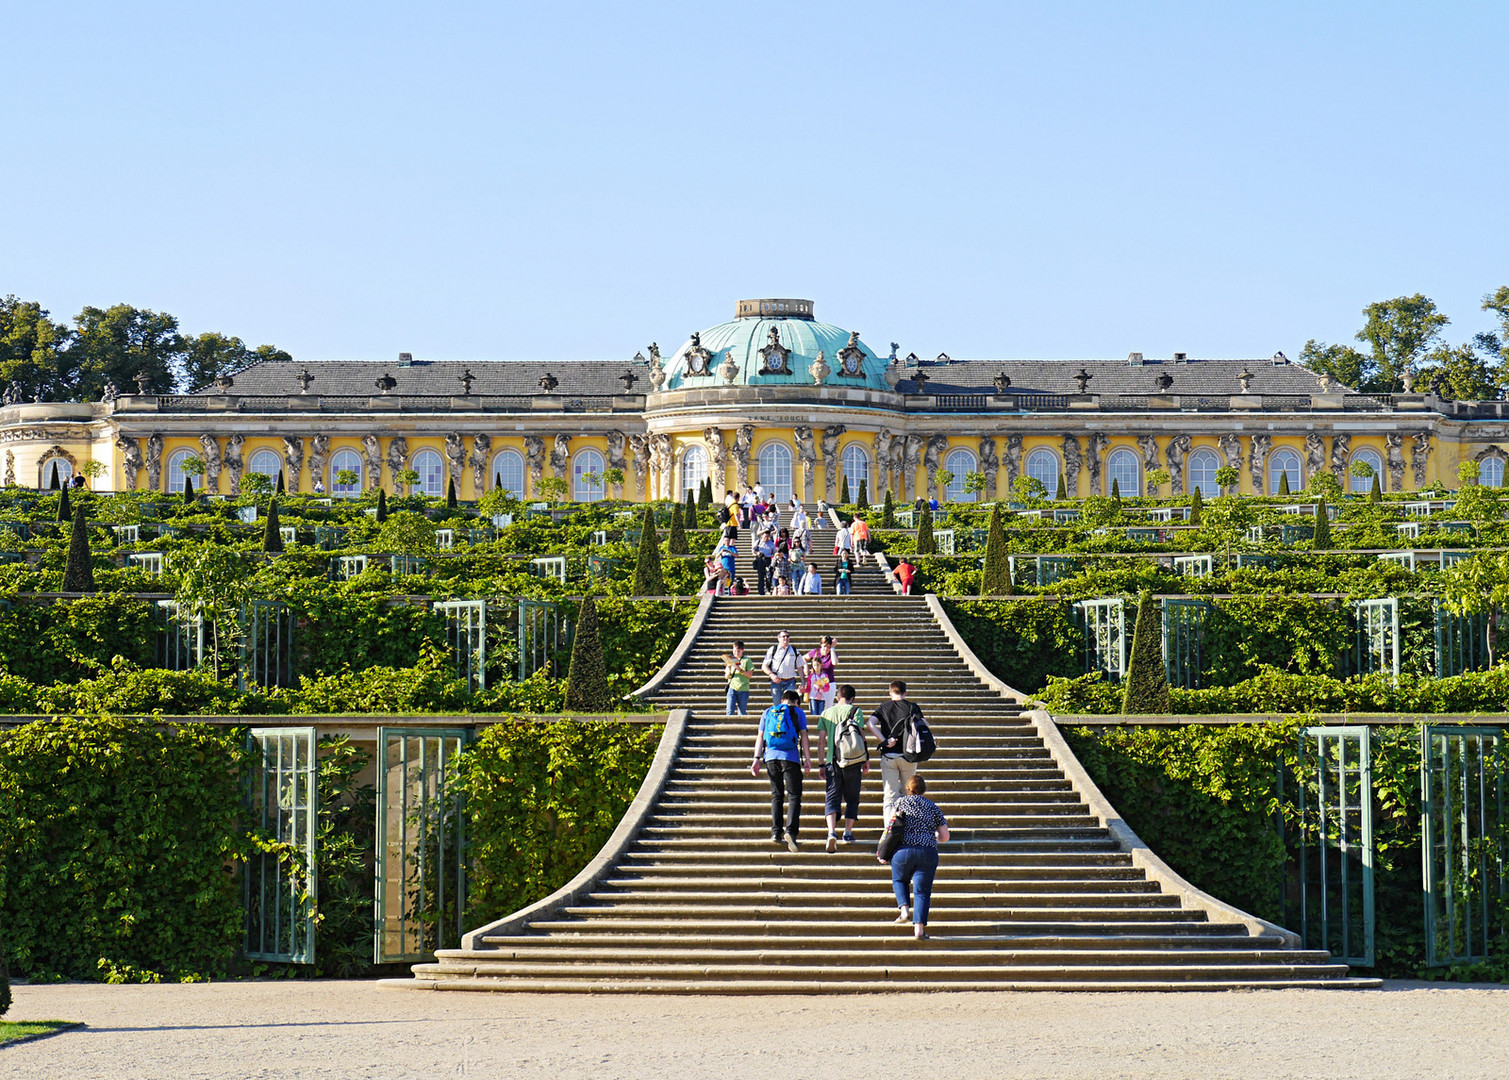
(990, 980)
(1212, 938)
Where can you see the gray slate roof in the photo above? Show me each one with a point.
(439, 378)
(1213, 377)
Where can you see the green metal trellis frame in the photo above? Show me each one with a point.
(1184, 641)
(283, 795)
(1103, 629)
(1375, 645)
(421, 844)
(1461, 642)
(266, 645)
(1462, 841)
(182, 644)
(466, 631)
(1336, 897)
(542, 631)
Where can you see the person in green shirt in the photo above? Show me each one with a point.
(736, 670)
(842, 781)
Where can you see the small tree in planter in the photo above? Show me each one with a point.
(255, 484)
(347, 478)
(551, 489)
(1479, 586)
(613, 476)
(1227, 478)
(943, 478)
(974, 483)
(648, 579)
(996, 580)
(92, 470)
(1029, 489)
(1146, 689)
(1156, 478)
(193, 466)
(587, 678)
(404, 481)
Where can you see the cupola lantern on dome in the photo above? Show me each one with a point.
(774, 309)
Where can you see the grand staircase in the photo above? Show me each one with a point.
(1033, 892)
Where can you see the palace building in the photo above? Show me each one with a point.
(773, 396)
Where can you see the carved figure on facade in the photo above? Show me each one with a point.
(932, 460)
(1393, 443)
(911, 459)
(233, 463)
(990, 465)
(1341, 446)
(319, 457)
(1315, 454)
(819, 369)
(1231, 447)
(398, 458)
(482, 448)
(830, 461)
(109, 394)
(1419, 455)
(639, 443)
(560, 456)
(743, 441)
(1258, 461)
(12, 395)
(209, 448)
(1013, 459)
(372, 451)
(806, 453)
(10, 468)
(293, 461)
(1149, 447)
(657, 369)
(534, 455)
(851, 357)
(455, 456)
(717, 453)
(775, 358)
(1072, 463)
(881, 480)
(1178, 448)
(898, 466)
(616, 442)
(663, 460)
(154, 462)
(1099, 443)
(698, 359)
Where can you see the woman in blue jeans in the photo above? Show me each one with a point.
(916, 861)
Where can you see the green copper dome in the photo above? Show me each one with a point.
(774, 343)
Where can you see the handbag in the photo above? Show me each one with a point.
(891, 839)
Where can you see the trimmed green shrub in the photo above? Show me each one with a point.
(1146, 688)
(272, 536)
(281, 488)
(78, 572)
(648, 580)
(450, 494)
(1063, 486)
(188, 489)
(382, 505)
(587, 678)
(1375, 493)
(1322, 525)
(1283, 485)
(996, 580)
(863, 502)
(843, 490)
(705, 495)
(926, 545)
(888, 511)
(689, 516)
(65, 509)
(1196, 504)
(676, 543)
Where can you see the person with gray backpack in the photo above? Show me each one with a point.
(846, 758)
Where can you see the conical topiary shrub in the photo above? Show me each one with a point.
(56, 484)
(450, 494)
(1063, 485)
(926, 545)
(863, 502)
(1116, 495)
(1196, 504)
(188, 489)
(272, 534)
(689, 513)
(648, 579)
(1283, 484)
(587, 679)
(497, 480)
(65, 508)
(281, 489)
(705, 495)
(676, 544)
(1322, 525)
(78, 571)
(843, 490)
(1146, 689)
(1375, 493)
(382, 505)
(888, 511)
(996, 580)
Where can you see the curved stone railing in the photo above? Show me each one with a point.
(1218, 911)
(678, 654)
(604, 861)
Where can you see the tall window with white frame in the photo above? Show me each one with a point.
(1042, 466)
(176, 475)
(347, 462)
(587, 475)
(266, 462)
(1200, 473)
(775, 471)
(960, 463)
(1364, 484)
(508, 472)
(693, 470)
(1491, 472)
(856, 465)
(65, 472)
(1124, 471)
(1284, 463)
(431, 469)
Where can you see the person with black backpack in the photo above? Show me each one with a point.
(905, 741)
(846, 758)
(782, 746)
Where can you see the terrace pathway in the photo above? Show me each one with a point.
(1033, 892)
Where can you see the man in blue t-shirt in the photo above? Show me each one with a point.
(782, 746)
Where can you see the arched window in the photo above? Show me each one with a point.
(1042, 465)
(1200, 472)
(65, 472)
(960, 463)
(266, 462)
(856, 465)
(587, 475)
(775, 471)
(693, 470)
(1281, 463)
(176, 474)
(345, 461)
(1124, 469)
(1490, 472)
(1375, 462)
(431, 469)
(508, 472)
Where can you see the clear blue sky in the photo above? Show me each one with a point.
(572, 181)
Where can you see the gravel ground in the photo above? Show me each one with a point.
(354, 1029)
